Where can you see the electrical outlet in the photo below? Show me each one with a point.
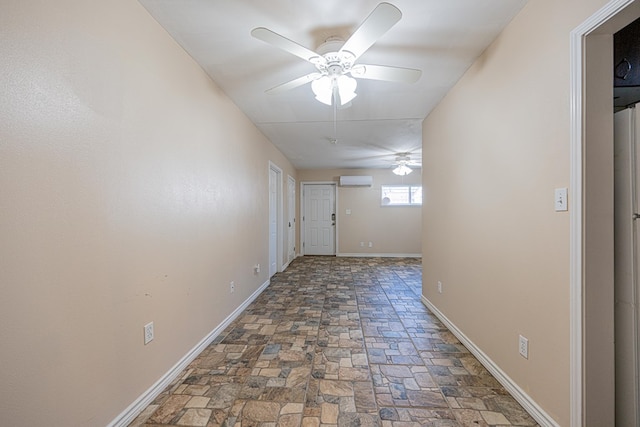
(362, 244)
(523, 347)
(148, 333)
(439, 287)
(232, 287)
(370, 244)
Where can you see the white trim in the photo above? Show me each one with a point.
(129, 414)
(575, 231)
(279, 218)
(284, 267)
(576, 261)
(523, 398)
(368, 255)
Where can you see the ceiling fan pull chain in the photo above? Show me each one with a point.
(335, 122)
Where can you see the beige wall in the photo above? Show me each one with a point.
(494, 150)
(392, 230)
(131, 190)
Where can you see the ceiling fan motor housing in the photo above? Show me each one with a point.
(334, 62)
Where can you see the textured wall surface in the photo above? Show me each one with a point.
(131, 190)
(494, 150)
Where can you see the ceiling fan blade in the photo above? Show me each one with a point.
(383, 17)
(383, 72)
(285, 44)
(294, 83)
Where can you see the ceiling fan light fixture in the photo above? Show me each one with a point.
(323, 89)
(402, 170)
(327, 89)
(346, 88)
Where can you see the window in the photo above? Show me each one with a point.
(401, 195)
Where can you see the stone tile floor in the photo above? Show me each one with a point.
(337, 342)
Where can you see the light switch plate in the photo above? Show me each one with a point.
(560, 200)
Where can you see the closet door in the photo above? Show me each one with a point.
(627, 227)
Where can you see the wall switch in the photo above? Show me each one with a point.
(439, 287)
(348, 211)
(148, 333)
(257, 268)
(370, 244)
(560, 200)
(232, 287)
(523, 347)
(362, 244)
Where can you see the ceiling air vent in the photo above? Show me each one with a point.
(356, 181)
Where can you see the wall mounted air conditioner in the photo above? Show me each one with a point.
(356, 181)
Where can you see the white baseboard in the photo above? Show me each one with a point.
(286, 265)
(369, 255)
(148, 396)
(523, 398)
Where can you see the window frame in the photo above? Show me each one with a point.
(409, 188)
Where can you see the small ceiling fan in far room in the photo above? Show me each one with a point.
(335, 60)
(402, 163)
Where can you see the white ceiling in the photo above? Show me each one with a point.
(440, 37)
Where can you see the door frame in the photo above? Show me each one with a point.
(591, 215)
(279, 241)
(302, 211)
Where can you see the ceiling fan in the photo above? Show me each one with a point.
(402, 163)
(335, 60)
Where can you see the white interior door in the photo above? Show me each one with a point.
(319, 219)
(273, 221)
(626, 268)
(291, 230)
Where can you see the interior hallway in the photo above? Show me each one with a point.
(337, 341)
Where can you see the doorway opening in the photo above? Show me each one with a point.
(592, 212)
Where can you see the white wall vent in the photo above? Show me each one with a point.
(356, 181)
